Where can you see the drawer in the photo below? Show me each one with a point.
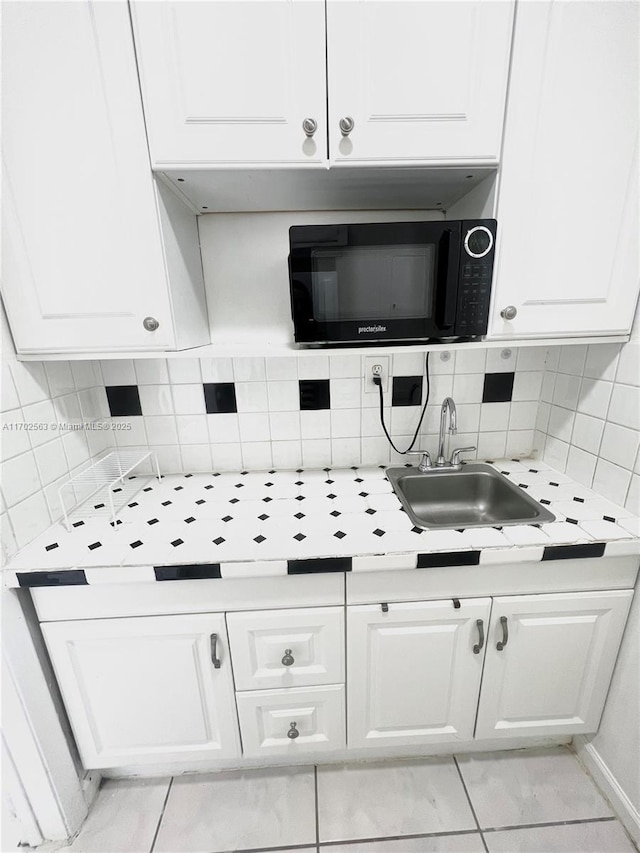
(287, 648)
(291, 722)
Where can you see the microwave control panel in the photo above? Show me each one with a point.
(474, 285)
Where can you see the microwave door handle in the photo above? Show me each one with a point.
(447, 286)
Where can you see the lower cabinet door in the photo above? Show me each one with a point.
(549, 662)
(292, 721)
(146, 690)
(414, 671)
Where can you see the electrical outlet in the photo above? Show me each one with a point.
(369, 363)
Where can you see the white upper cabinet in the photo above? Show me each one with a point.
(84, 258)
(422, 81)
(568, 193)
(229, 82)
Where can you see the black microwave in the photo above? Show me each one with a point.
(393, 281)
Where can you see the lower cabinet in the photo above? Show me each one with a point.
(147, 690)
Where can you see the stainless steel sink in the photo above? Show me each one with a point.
(475, 495)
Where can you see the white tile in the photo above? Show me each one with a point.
(566, 391)
(249, 369)
(345, 393)
(548, 385)
(119, 574)
(285, 367)
(316, 452)
(60, 377)
(19, 478)
(581, 465)
(15, 438)
(132, 432)
(286, 454)
(169, 458)
(257, 805)
(620, 445)
(384, 562)
(315, 424)
(441, 362)
(532, 786)
(623, 548)
(632, 502)
(344, 366)
(192, 429)
(223, 428)
(501, 360)
(611, 481)
(252, 397)
(226, 457)
(631, 524)
(553, 358)
(592, 837)
(42, 416)
(29, 518)
(525, 534)
(8, 393)
(370, 421)
(469, 842)
(345, 423)
(404, 420)
(412, 363)
(494, 417)
(285, 426)
(441, 386)
(187, 399)
(418, 796)
(161, 429)
(520, 442)
(486, 537)
(556, 453)
(602, 361)
(561, 423)
(216, 369)
(468, 417)
(587, 432)
(254, 427)
(67, 409)
(527, 386)
(30, 381)
(256, 455)
(542, 418)
(604, 530)
(572, 359)
(522, 415)
(468, 387)
(93, 403)
(563, 533)
(531, 358)
(472, 360)
(118, 371)
(151, 371)
(629, 364)
(374, 451)
(491, 445)
(51, 461)
(183, 371)
(155, 399)
(87, 374)
(124, 817)
(345, 452)
(624, 408)
(313, 367)
(196, 458)
(254, 569)
(594, 397)
(284, 396)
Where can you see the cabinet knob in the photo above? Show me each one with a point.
(288, 659)
(509, 312)
(309, 125)
(293, 731)
(346, 125)
(150, 324)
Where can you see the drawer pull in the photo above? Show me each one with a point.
(293, 731)
(288, 660)
(480, 643)
(505, 634)
(215, 660)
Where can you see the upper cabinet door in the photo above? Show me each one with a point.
(567, 257)
(422, 81)
(82, 255)
(232, 81)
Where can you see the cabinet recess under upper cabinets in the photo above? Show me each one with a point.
(254, 84)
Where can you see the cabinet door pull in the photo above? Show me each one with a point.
(293, 731)
(505, 634)
(215, 660)
(480, 643)
(288, 659)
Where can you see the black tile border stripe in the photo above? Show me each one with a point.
(202, 571)
(448, 558)
(571, 552)
(65, 577)
(318, 565)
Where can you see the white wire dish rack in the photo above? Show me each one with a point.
(112, 474)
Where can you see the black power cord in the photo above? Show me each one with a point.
(378, 381)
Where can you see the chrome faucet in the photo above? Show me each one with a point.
(447, 406)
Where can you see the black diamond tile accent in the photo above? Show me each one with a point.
(268, 485)
(555, 484)
(378, 532)
(189, 520)
(329, 482)
(331, 496)
(314, 394)
(608, 518)
(417, 530)
(498, 388)
(98, 506)
(177, 542)
(318, 565)
(570, 552)
(407, 391)
(263, 517)
(299, 483)
(135, 544)
(216, 474)
(209, 487)
(533, 470)
(166, 503)
(51, 547)
(244, 473)
(298, 498)
(449, 558)
(94, 545)
(299, 515)
(335, 513)
(70, 577)
(115, 523)
(339, 534)
(148, 489)
(124, 400)
(268, 500)
(116, 490)
(239, 485)
(370, 511)
(523, 485)
(571, 520)
(199, 571)
(218, 541)
(152, 521)
(299, 537)
(200, 502)
(186, 476)
(234, 501)
(579, 500)
(220, 398)
(227, 518)
(78, 524)
(178, 488)
(364, 494)
(260, 539)
(131, 505)
(359, 480)
(545, 502)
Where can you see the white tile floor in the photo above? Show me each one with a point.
(533, 801)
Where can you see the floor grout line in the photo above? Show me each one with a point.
(509, 827)
(164, 805)
(456, 832)
(473, 811)
(315, 785)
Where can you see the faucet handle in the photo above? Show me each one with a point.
(425, 462)
(455, 456)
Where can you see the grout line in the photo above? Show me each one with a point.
(550, 823)
(315, 789)
(456, 832)
(473, 811)
(164, 805)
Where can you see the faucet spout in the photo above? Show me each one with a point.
(448, 406)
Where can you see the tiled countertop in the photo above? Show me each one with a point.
(273, 523)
